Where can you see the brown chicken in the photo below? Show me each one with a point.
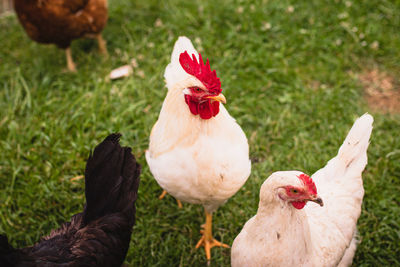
(61, 21)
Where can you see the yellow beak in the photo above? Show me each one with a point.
(220, 98)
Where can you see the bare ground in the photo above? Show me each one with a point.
(382, 91)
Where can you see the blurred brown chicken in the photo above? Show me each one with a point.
(61, 21)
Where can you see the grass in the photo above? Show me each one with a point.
(286, 69)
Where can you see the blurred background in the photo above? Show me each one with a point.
(296, 75)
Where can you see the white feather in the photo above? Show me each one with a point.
(280, 235)
(174, 73)
(195, 160)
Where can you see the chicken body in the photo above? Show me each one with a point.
(200, 161)
(282, 235)
(195, 160)
(100, 235)
(62, 21)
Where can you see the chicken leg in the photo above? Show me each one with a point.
(177, 200)
(207, 239)
(70, 63)
(102, 45)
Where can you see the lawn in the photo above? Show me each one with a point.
(292, 72)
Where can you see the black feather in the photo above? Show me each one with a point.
(100, 235)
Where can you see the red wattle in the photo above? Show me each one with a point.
(215, 107)
(298, 204)
(192, 105)
(206, 109)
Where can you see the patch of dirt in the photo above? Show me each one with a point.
(382, 91)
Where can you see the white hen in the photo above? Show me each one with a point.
(197, 152)
(282, 233)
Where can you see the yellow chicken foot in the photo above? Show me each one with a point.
(162, 195)
(177, 201)
(207, 239)
(102, 45)
(70, 62)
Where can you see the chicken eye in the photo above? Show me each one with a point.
(294, 191)
(197, 89)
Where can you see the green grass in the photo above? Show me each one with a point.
(288, 85)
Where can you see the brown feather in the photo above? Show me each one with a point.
(61, 21)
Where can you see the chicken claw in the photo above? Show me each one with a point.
(207, 240)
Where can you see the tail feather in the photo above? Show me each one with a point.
(357, 139)
(340, 182)
(352, 156)
(100, 235)
(174, 72)
(111, 179)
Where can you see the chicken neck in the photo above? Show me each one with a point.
(278, 225)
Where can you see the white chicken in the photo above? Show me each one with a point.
(282, 233)
(197, 151)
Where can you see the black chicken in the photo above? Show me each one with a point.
(100, 235)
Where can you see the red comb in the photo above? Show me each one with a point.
(307, 181)
(201, 71)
